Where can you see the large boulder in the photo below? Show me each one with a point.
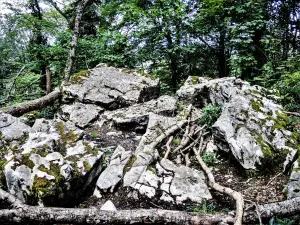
(110, 87)
(252, 126)
(50, 164)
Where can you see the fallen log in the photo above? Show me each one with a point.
(25, 107)
(43, 215)
(31, 214)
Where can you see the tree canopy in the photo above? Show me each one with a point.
(256, 40)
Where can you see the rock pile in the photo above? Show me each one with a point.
(105, 128)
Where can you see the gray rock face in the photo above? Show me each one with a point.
(12, 128)
(112, 88)
(251, 124)
(49, 161)
(137, 116)
(80, 114)
(113, 174)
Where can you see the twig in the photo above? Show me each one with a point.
(168, 147)
(258, 213)
(292, 113)
(234, 194)
(187, 159)
(273, 179)
(186, 139)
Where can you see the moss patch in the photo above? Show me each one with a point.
(79, 77)
(68, 138)
(195, 80)
(256, 105)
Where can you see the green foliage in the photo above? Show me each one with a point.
(94, 134)
(205, 208)
(210, 115)
(176, 141)
(278, 221)
(289, 86)
(209, 158)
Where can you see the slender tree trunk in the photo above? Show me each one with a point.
(221, 55)
(173, 62)
(39, 40)
(71, 57)
(48, 79)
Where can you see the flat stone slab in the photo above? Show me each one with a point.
(112, 88)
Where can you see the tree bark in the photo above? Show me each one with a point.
(43, 215)
(25, 107)
(70, 60)
(48, 80)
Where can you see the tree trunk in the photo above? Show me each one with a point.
(71, 57)
(221, 55)
(25, 107)
(42, 215)
(38, 41)
(173, 62)
(48, 80)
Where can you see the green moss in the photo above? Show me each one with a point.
(176, 141)
(282, 116)
(195, 80)
(3, 163)
(256, 105)
(119, 115)
(87, 166)
(151, 169)
(130, 164)
(68, 138)
(26, 161)
(255, 92)
(90, 149)
(180, 107)
(77, 78)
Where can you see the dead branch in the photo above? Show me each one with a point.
(168, 147)
(234, 194)
(25, 107)
(292, 113)
(186, 138)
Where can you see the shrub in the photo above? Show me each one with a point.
(210, 115)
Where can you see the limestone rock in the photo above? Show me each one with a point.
(113, 174)
(112, 88)
(109, 206)
(11, 128)
(80, 114)
(45, 168)
(136, 116)
(252, 124)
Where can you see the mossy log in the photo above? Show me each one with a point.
(25, 107)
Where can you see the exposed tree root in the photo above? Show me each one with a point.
(168, 147)
(234, 194)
